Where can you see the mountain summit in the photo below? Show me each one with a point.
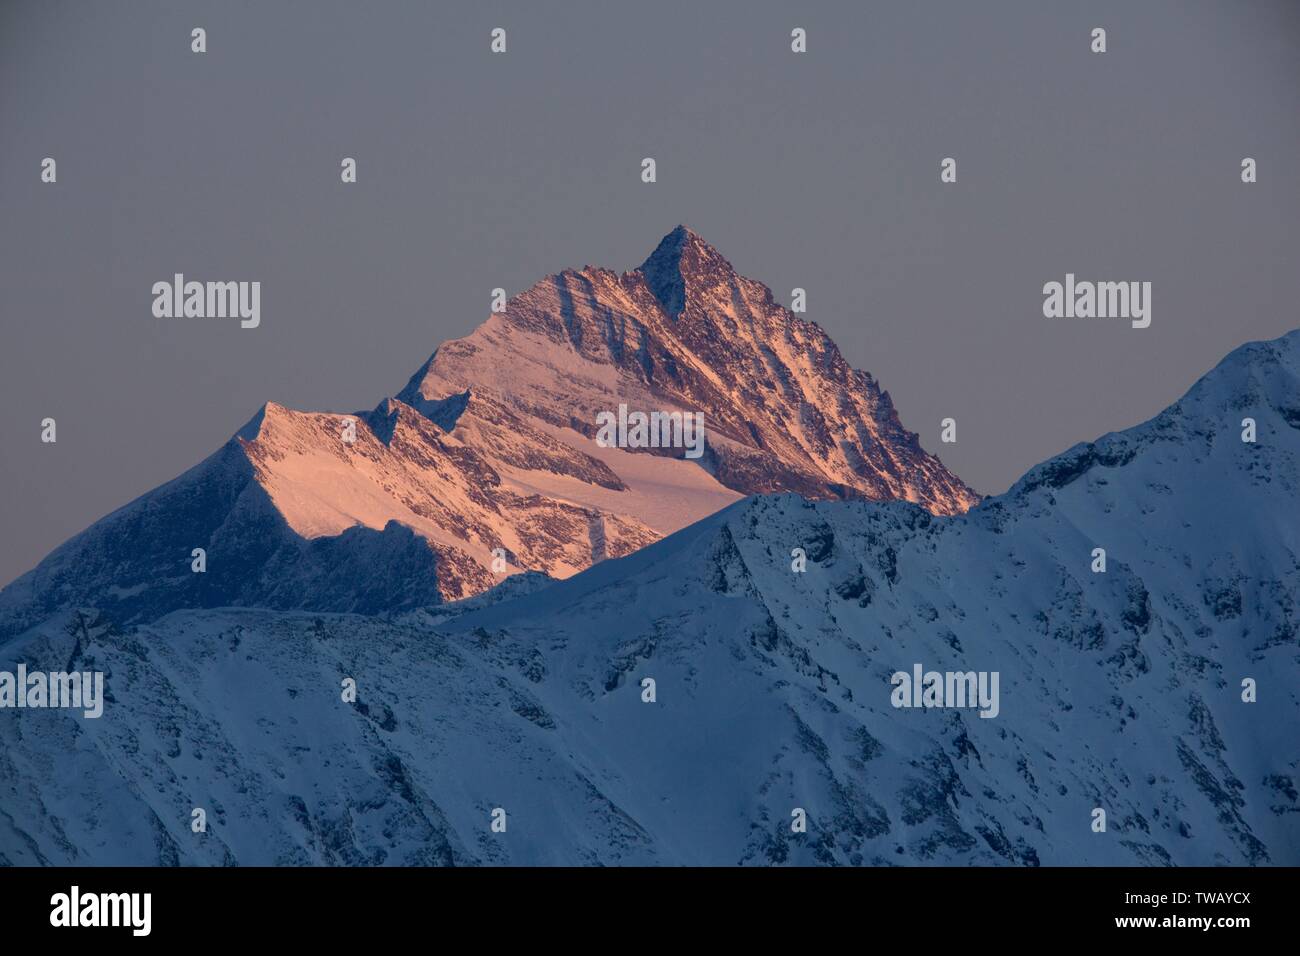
(487, 463)
(682, 257)
(784, 411)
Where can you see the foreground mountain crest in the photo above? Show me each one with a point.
(1120, 691)
(487, 464)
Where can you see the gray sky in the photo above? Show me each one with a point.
(476, 170)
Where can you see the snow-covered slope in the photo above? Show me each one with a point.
(492, 448)
(1119, 690)
(290, 517)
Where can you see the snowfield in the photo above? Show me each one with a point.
(1119, 690)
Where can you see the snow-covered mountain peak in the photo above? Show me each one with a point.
(681, 266)
(490, 463)
(1252, 388)
(783, 409)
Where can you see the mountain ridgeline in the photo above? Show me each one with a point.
(695, 701)
(486, 464)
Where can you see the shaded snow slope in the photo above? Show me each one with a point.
(1119, 690)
